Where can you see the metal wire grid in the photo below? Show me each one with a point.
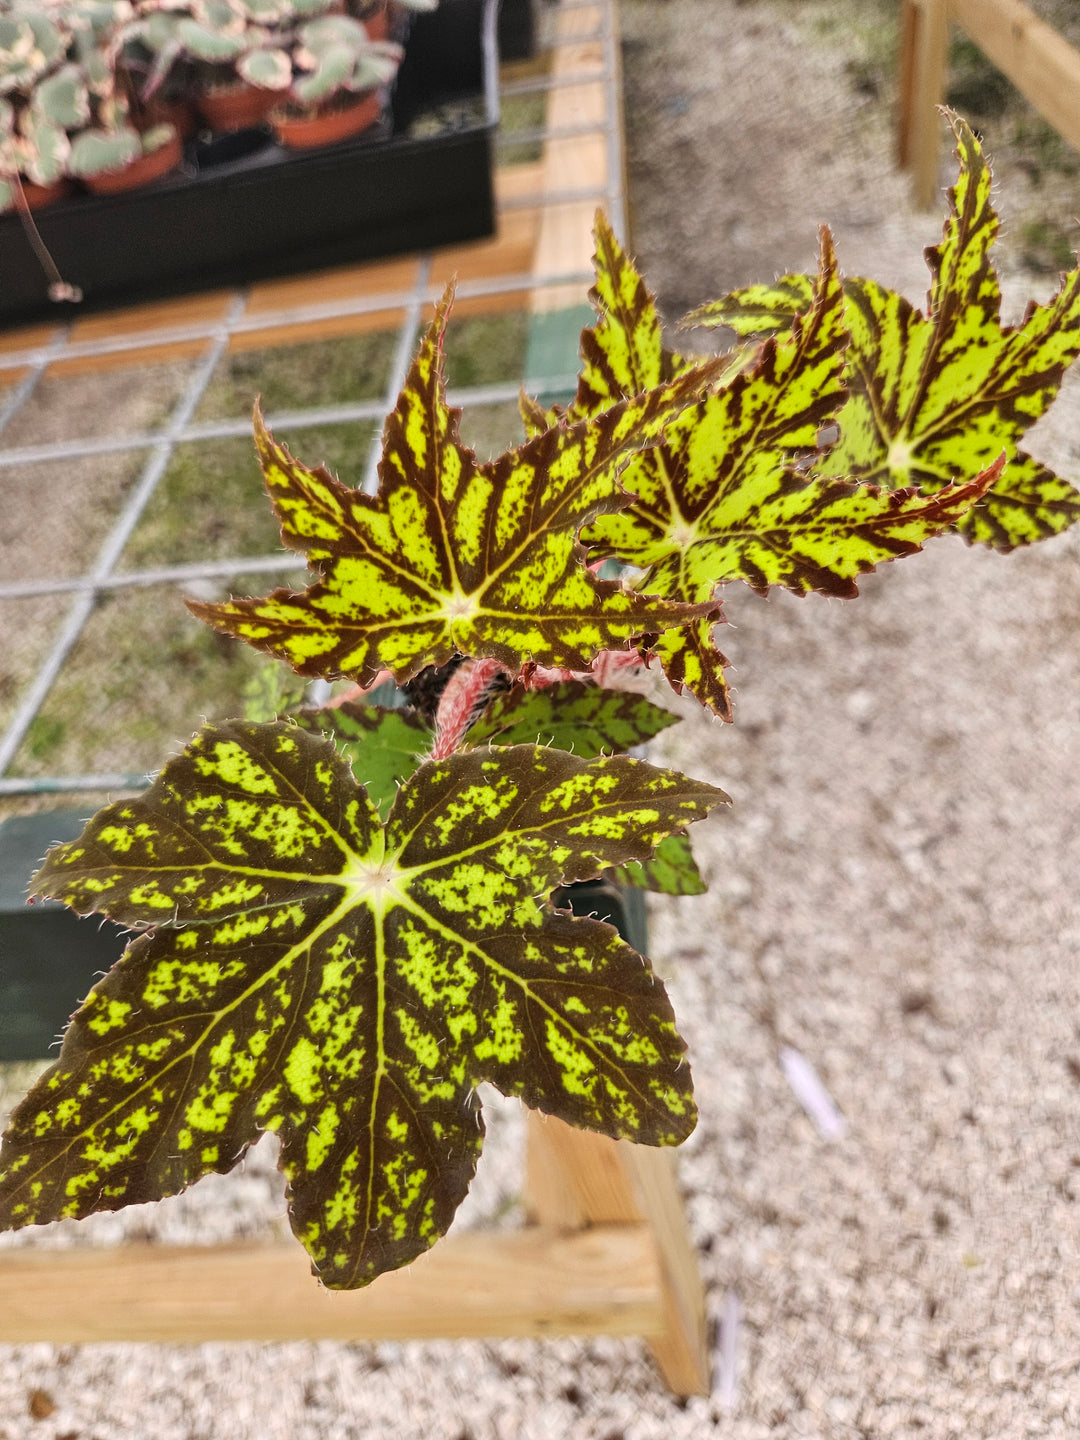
(179, 427)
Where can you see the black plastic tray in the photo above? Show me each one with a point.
(252, 209)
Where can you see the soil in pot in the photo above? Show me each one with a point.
(142, 171)
(327, 127)
(236, 107)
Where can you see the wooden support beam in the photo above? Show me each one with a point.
(534, 1282)
(1042, 64)
(574, 1178)
(923, 57)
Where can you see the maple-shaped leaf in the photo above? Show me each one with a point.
(451, 555)
(721, 475)
(348, 984)
(936, 398)
(725, 500)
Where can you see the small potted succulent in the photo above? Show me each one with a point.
(382, 19)
(63, 116)
(340, 86)
(32, 43)
(229, 56)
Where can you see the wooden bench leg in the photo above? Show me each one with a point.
(924, 46)
(575, 1178)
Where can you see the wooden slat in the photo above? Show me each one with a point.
(31, 337)
(142, 356)
(565, 241)
(290, 292)
(927, 87)
(909, 29)
(1042, 64)
(327, 328)
(533, 1282)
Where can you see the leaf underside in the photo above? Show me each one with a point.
(936, 398)
(347, 984)
(451, 555)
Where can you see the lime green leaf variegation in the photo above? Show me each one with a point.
(692, 661)
(311, 971)
(717, 480)
(936, 398)
(757, 311)
(454, 555)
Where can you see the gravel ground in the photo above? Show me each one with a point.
(892, 894)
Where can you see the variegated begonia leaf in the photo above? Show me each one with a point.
(272, 691)
(454, 555)
(672, 870)
(570, 715)
(347, 984)
(383, 746)
(937, 398)
(726, 496)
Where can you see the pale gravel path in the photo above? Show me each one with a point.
(894, 893)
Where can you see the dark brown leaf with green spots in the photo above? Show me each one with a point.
(936, 398)
(347, 984)
(570, 715)
(452, 555)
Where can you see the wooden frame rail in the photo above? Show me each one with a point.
(1039, 61)
(608, 1253)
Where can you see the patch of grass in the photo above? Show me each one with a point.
(55, 515)
(107, 402)
(29, 627)
(343, 449)
(141, 680)
(521, 112)
(1046, 247)
(44, 734)
(490, 429)
(486, 349)
(976, 87)
(1043, 151)
(211, 502)
(300, 377)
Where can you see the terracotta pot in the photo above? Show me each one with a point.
(38, 196)
(144, 170)
(238, 107)
(306, 132)
(180, 114)
(377, 25)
